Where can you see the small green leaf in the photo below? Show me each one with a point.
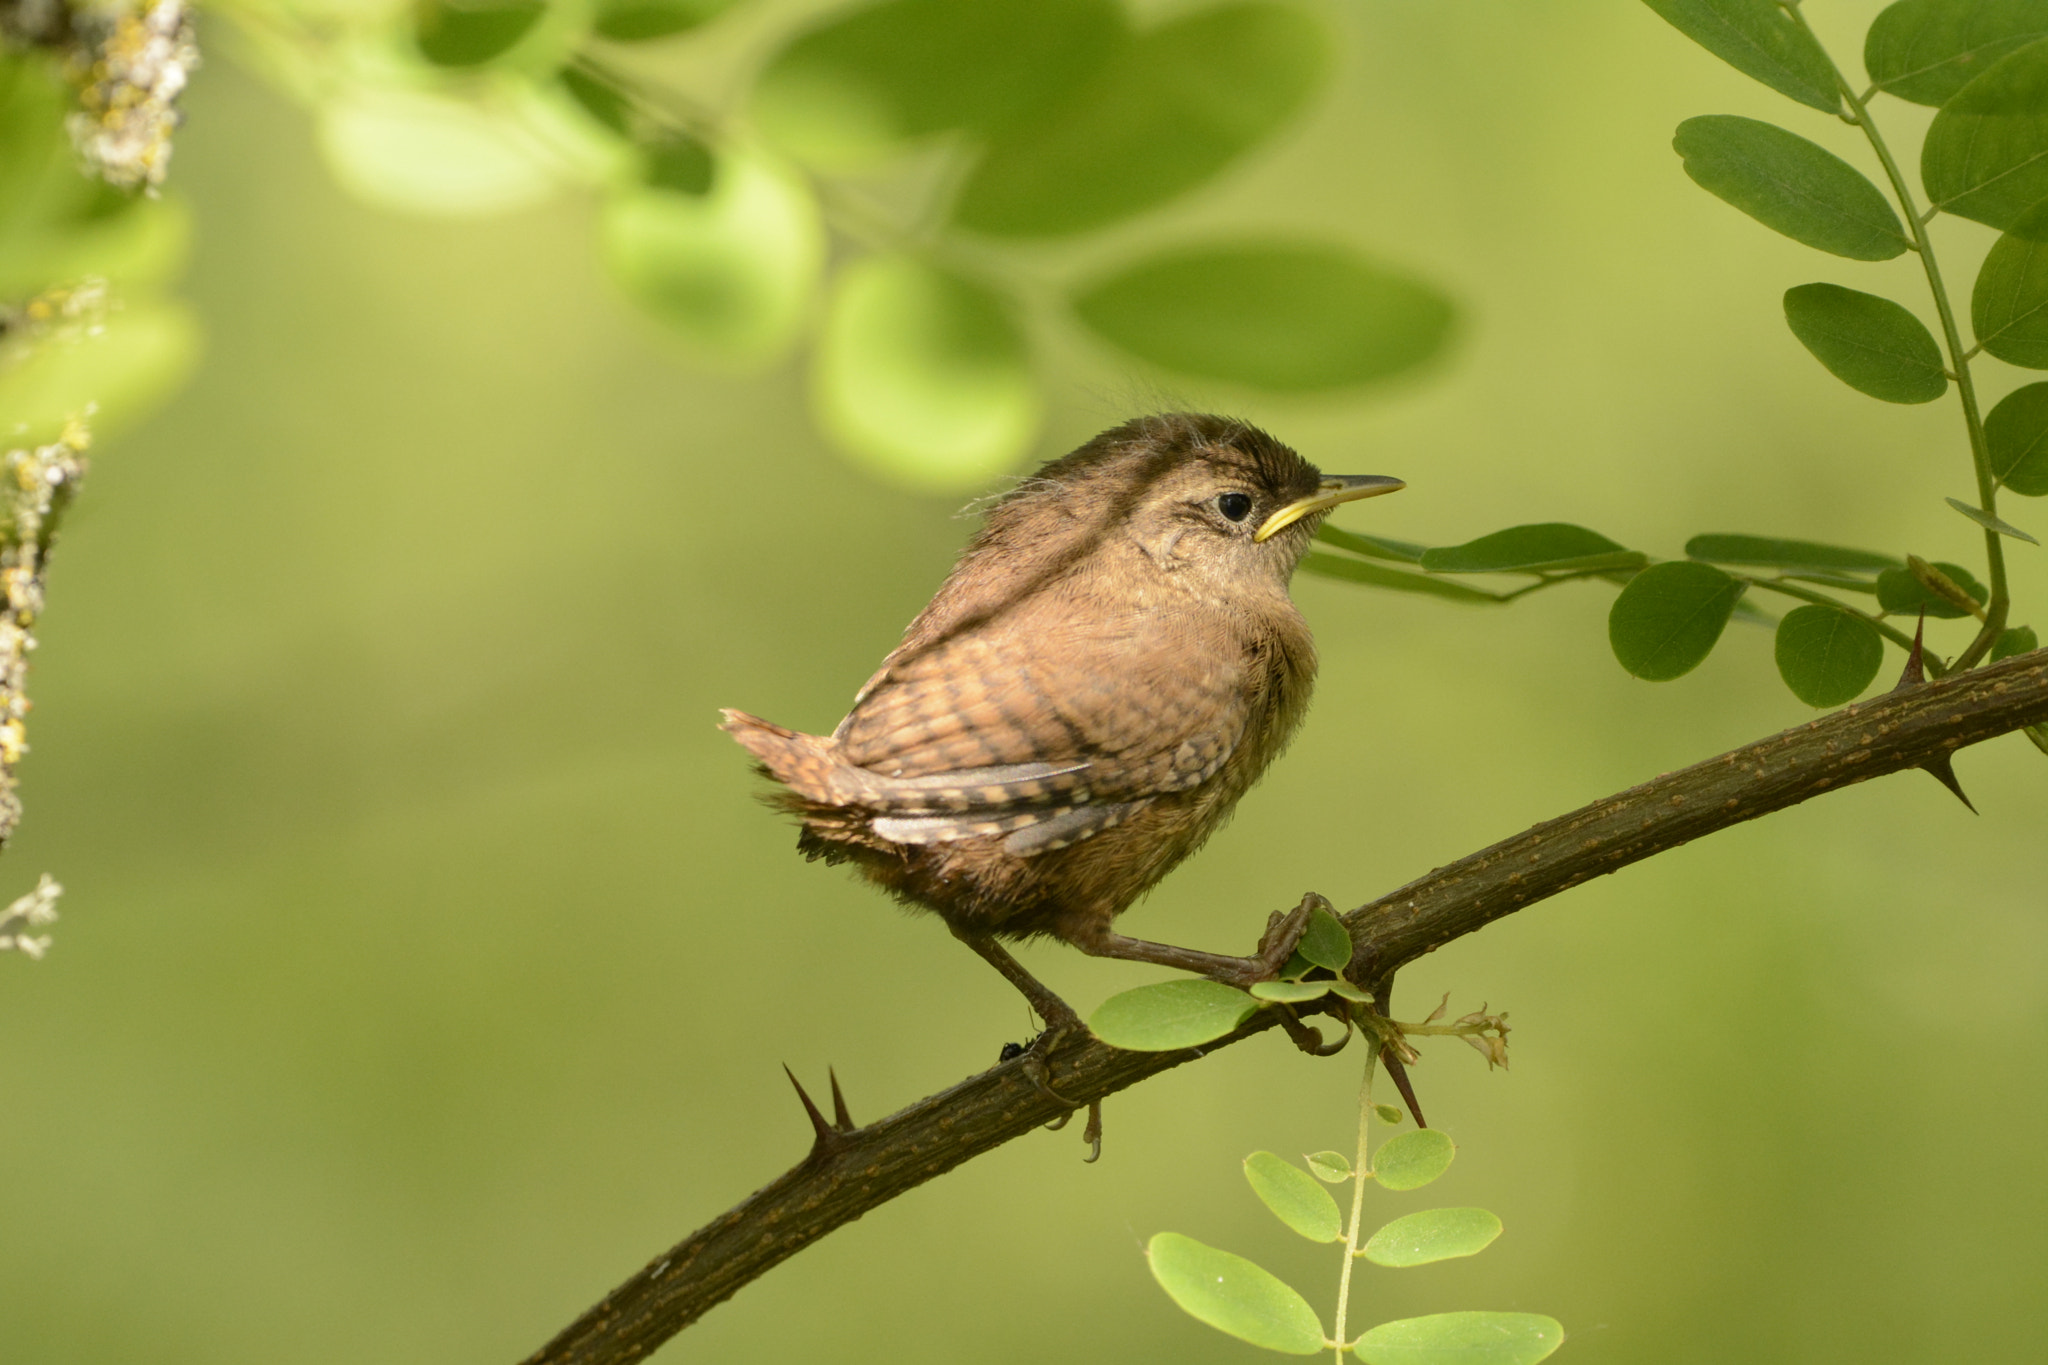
(730, 273)
(2009, 305)
(1171, 1014)
(2017, 432)
(1540, 548)
(1372, 547)
(1431, 1235)
(1791, 186)
(1759, 39)
(1412, 1160)
(1772, 552)
(1326, 942)
(1388, 1113)
(635, 21)
(601, 100)
(1331, 1167)
(923, 375)
(1345, 990)
(473, 33)
(1462, 1339)
(1990, 522)
(2018, 640)
(1294, 1197)
(1669, 617)
(1871, 344)
(1290, 992)
(1233, 1295)
(1927, 50)
(1359, 571)
(867, 84)
(421, 152)
(1166, 112)
(1900, 592)
(1986, 153)
(1288, 317)
(1296, 968)
(1826, 656)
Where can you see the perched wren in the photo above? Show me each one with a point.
(1112, 663)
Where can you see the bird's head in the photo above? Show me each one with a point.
(1216, 503)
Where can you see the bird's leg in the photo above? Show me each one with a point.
(1095, 937)
(1060, 1019)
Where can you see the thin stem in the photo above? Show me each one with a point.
(1890, 632)
(1980, 450)
(1360, 1173)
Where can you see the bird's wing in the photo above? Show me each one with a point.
(1046, 736)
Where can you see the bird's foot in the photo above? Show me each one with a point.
(1032, 1055)
(1283, 933)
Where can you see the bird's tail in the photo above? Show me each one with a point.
(803, 763)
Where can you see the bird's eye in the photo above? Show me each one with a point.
(1235, 506)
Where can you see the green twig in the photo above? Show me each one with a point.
(1360, 1167)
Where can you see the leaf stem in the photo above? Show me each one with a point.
(1980, 451)
(1361, 1171)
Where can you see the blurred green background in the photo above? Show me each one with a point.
(427, 967)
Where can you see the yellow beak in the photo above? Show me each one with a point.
(1336, 488)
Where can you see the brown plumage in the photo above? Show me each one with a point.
(1112, 663)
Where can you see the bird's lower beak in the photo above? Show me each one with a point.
(1336, 488)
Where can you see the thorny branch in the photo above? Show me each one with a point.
(851, 1170)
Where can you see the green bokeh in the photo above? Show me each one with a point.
(427, 968)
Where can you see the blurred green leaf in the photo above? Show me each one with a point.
(1290, 992)
(924, 375)
(1791, 186)
(2017, 433)
(679, 162)
(472, 32)
(1900, 592)
(1326, 942)
(432, 154)
(1543, 547)
(1374, 547)
(1463, 1339)
(1388, 1114)
(1411, 1160)
(1774, 552)
(1668, 618)
(633, 21)
(2018, 640)
(1826, 656)
(731, 273)
(602, 100)
(1431, 1235)
(1170, 1014)
(1871, 344)
(1284, 317)
(1331, 1167)
(1359, 571)
(1167, 112)
(1294, 1197)
(1927, 50)
(1986, 153)
(1233, 1295)
(1760, 40)
(1990, 522)
(865, 84)
(124, 365)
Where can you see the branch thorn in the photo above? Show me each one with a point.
(829, 1138)
(1943, 767)
(1915, 671)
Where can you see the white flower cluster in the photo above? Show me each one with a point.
(131, 64)
(33, 911)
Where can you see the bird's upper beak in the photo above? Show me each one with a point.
(1336, 488)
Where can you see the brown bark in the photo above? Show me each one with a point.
(852, 1171)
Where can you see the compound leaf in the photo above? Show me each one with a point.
(1669, 617)
(1412, 1160)
(1541, 547)
(1170, 1014)
(1233, 1295)
(1431, 1235)
(1462, 1339)
(1791, 186)
(1294, 1197)
(1869, 343)
(1986, 152)
(1927, 50)
(2017, 433)
(1827, 656)
(1777, 553)
(1759, 39)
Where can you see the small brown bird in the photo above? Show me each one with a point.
(1112, 663)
